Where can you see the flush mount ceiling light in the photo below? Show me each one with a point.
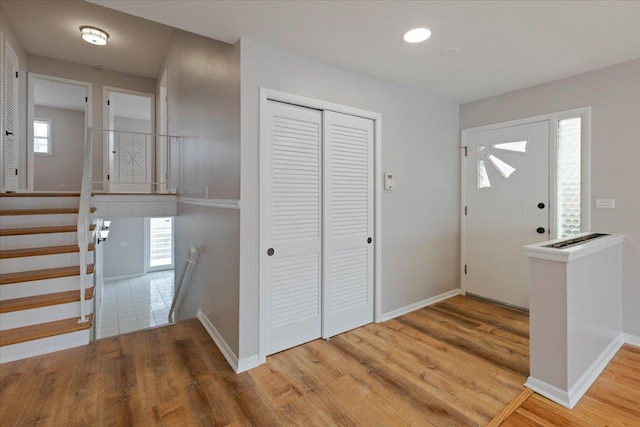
(94, 35)
(417, 35)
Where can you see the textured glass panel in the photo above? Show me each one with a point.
(503, 167)
(519, 146)
(569, 143)
(483, 177)
(480, 148)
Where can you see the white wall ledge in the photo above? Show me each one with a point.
(212, 203)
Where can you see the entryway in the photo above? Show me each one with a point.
(523, 182)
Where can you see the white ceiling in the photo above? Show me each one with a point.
(52, 28)
(48, 93)
(503, 45)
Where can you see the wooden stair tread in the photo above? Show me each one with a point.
(47, 211)
(49, 273)
(45, 250)
(43, 330)
(43, 300)
(41, 230)
(52, 194)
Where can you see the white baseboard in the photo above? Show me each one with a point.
(420, 304)
(568, 399)
(632, 340)
(125, 276)
(238, 365)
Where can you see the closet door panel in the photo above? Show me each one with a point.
(294, 226)
(348, 223)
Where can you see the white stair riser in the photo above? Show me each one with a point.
(18, 319)
(38, 202)
(14, 265)
(39, 240)
(39, 287)
(22, 350)
(24, 221)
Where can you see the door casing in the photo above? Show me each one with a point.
(273, 95)
(585, 186)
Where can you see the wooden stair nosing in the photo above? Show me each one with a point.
(41, 230)
(36, 194)
(43, 300)
(42, 211)
(49, 273)
(43, 330)
(45, 250)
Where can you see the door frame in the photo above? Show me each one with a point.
(302, 101)
(88, 118)
(585, 172)
(106, 165)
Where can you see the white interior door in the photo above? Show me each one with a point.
(348, 223)
(507, 190)
(10, 145)
(293, 236)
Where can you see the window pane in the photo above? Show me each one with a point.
(160, 244)
(40, 145)
(40, 129)
(569, 143)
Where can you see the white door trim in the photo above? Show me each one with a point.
(585, 185)
(274, 95)
(88, 118)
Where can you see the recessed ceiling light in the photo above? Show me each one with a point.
(94, 35)
(417, 35)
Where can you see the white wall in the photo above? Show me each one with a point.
(124, 249)
(9, 35)
(420, 140)
(614, 95)
(61, 171)
(204, 110)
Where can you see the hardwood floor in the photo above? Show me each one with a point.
(613, 400)
(459, 362)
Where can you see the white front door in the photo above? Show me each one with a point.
(292, 242)
(507, 201)
(347, 301)
(10, 118)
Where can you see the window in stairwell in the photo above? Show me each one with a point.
(160, 244)
(42, 136)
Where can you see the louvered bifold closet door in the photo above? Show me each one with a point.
(348, 223)
(10, 120)
(294, 232)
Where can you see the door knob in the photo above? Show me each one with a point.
(270, 252)
(540, 205)
(540, 230)
(7, 133)
(369, 240)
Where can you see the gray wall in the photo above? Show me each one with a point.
(614, 95)
(124, 249)
(98, 79)
(204, 109)
(420, 218)
(10, 36)
(61, 171)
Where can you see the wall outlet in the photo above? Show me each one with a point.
(605, 203)
(388, 181)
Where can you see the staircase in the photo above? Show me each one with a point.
(40, 275)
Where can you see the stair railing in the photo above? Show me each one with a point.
(185, 275)
(84, 217)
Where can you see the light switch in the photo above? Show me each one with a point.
(388, 181)
(605, 203)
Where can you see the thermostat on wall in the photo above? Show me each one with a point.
(388, 181)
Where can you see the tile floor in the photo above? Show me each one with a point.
(136, 303)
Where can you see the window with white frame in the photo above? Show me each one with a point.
(569, 177)
(42, 136)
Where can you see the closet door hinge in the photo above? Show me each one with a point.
(465, 151)
(108, 102)
(86, 99)
(465, 269)
(16, 171)
(465, 210)
(16, 74)
(107, 177)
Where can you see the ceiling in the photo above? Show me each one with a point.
(52, 28)
(501, 45)
(49, 93)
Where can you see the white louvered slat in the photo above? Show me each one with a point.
(10, 119)
(293, 225)
(348, 219)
